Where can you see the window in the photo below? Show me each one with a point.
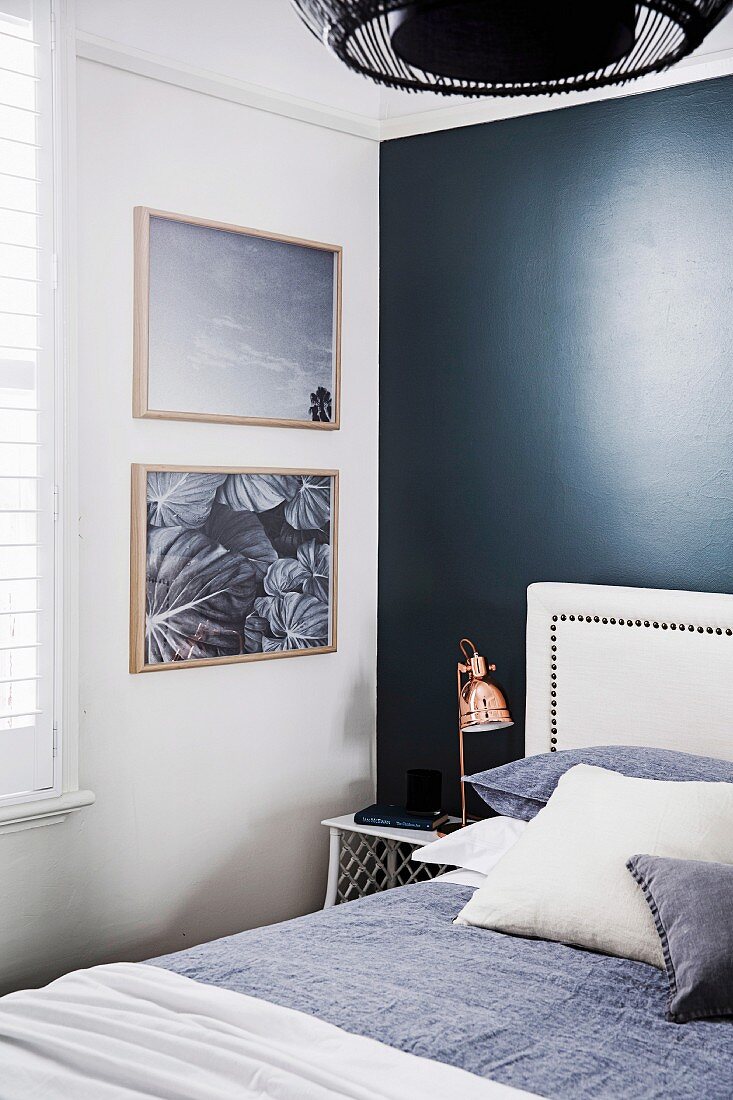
(29, 765)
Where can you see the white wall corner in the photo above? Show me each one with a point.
(456, 113)
(105, 51)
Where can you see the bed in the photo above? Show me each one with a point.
(387, 996)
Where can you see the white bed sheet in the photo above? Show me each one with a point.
(462, 877)
(133, 1032)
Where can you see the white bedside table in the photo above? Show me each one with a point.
(364, 859)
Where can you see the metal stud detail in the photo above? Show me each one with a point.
(554, 626)
(556, 619)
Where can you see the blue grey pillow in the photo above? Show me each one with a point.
(692, 906)
(523, 787)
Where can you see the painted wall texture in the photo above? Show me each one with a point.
(556, 395)
(211, 783)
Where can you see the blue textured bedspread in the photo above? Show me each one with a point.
(550, 1019)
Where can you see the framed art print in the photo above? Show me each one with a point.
(231, 564)
(235, 325)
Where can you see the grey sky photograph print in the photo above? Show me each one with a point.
(232, 564)
(240, 325)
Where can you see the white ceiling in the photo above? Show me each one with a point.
(264, 43)
(258, 41)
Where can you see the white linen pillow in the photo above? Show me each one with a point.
(566, 879)
(478, 847)
(462, 877)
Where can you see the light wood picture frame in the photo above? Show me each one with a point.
(235, 325)
(231, 564)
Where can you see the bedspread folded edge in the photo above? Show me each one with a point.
(131, 1030)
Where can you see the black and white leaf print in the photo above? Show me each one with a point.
(310, 506)
(236, 564)
(315, 558)
(242, 532)
(198, 596)
(178, 499)
(297, 621)
(258, 492)
(285, 575)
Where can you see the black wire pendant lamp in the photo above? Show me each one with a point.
(510, 47)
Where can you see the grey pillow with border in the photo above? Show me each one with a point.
(692, 906)
(523, 787)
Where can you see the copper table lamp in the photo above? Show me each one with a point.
(481, 705)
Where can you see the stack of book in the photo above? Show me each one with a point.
(397, 817)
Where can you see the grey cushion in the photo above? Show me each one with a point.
(521, 788)
(692, 906)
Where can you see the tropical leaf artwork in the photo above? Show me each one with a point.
(237, 564)
(181, 499)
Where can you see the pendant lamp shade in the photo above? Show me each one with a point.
(509, 47)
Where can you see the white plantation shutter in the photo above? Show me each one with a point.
(27, 404)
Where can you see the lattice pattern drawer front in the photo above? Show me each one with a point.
(369, 864)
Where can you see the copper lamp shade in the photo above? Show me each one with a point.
(481, 704)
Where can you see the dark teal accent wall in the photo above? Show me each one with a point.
(556, 396)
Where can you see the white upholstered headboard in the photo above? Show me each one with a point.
(634, 666)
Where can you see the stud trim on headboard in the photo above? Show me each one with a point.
(608, 621)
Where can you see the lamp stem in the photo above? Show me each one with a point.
(464, 820)
(459, 670)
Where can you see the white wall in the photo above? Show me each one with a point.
(210, 782)
(261, 42)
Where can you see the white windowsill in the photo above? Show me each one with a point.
(45, 811)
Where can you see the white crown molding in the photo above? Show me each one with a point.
(471, 113)
(104, 51)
